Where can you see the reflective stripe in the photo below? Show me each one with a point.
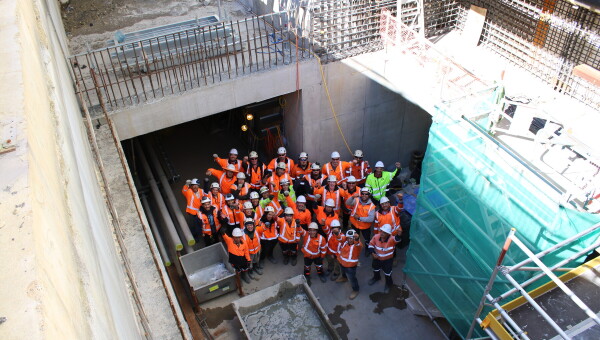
(249, 241)
(283, 230)
(191, 203)
(337, 198)
(318, 247)
(350, 254)
(356, 207)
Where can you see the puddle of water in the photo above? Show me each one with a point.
(288, 318)
(395, 298)
(208, 275)
(336, 319)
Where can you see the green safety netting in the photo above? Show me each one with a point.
(472, 193)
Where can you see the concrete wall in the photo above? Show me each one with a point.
(60, 274)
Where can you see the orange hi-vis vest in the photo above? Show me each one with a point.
(297, 171)
(234, 216)
(341, 172)
(235, 249)
(360, 171)
(288, 233)
(305, 216)
(348, 194)
(259, 211)
(206, 230)
(313, 247)
(392, 217)
(362, 210)
(348, 254)
(224, 162)
(273, 182)
(289, 164)
(337, 196)
(193, 199)
(270, 232)
(253, 216)
(332, 244)
(243, 191)
(217, 201)
(252, 243)
(255, 175)
(325, 220)
(384, 250)
(315, 183)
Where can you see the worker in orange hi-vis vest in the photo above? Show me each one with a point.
(216, 197)
(387, 214)
(324, 216)
(302, 168)
(252, 239)
(351, 190)
(281, 158)
(348, 253)
(362, 214)
(333, 266)
(289, 235)
(268, 236)
(255, 170)
(314, 248)
(255, 201)
(231, 159)
(382, 248)
(239, 256)
(302, 215)
(331, 191)
(359, 168)
(337, 168)
(193, 196)
(248, 210)
(273, 182)
(231, 216)
(241, 189)
(226, 178)
(316, 179)
(209, 221)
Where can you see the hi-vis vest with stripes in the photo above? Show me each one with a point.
(287, 232)
(390, 218)
(333, 195)
(363, 210)
(348, 254)
(316, 242)
(384, 250)
(252, 243)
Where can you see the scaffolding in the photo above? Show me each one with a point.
(501, 325)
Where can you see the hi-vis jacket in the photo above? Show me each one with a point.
(391, 217)
(224, 181)
(365, 212)
(288, 232)
(313, 247)
(348, 254)
(193, 199)
(379, 185)
(208, 219)
(224, 162)
(383, 249)
(253, 242)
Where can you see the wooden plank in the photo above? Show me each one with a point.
(588, 73)
(473, 26)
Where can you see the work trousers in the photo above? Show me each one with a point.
(267, 247)
(318, 264)
(386, 267)
(254, 258)
(240, 263)
(350, 273)
(195, 227)
(209, 240)
(289, 249)
(366, 234)
(332, 264)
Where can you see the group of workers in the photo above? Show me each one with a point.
(323, 210)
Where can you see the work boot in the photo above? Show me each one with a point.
(389, 282)
(251, 275)
(308, 282)
(286, 260)
(272, 259)
(261, 264)
(294, 260)
(341, 279)
(334, 276)
(376, 277)
(354, 294)
(245, 277)
(258, 271)
(323, 278)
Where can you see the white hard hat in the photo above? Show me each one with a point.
(248, 205)
(194, 182)
(284, 181)
(350, 233)
(241, 175)
(358, 153)
(301, 199)
(237, 232)
(384, 200)
(215, 185)
(281, 165)
(335, 154)
(229, 197)
(288, 211)
(233, 152)
(269, 208)
(254, 194)
(379, 164)
(335, 224)
(263, 190)
(351, 179)
(332, 178)
(205, 199)
(365, 189)
(386, 228)
(315, 166)
(230, 167)
(330, 203)
(313, 225)
(248, 220)
(281, 151)
(303, 155)
(253, 154)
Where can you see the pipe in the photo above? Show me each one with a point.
(164, 212)
(169, 193)
(159, 241)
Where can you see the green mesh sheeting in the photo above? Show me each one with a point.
(472, 192)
